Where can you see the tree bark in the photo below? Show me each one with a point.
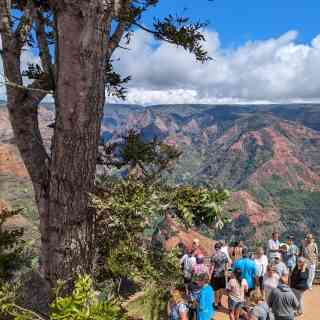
(62, 180)
(80, 97)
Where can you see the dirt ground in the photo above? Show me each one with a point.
(311, 306)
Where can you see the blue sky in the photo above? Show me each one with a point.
(238, 21)
(264, 51)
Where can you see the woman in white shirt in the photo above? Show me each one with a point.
(261, 261)
(270, 281)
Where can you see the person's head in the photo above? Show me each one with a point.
(284, 279)
(277, 259)
(200, 259)
(236, 244)
(245, 252)
(309, 238)
(237, 273)
(203, 279)
(256, 297)
(259, 252)
(284, 247)
(177, 295)
(270, 270)
(190, 251)
(290, 240)
(301, 263)
(217, 246)
(195, 243)
(275, 235)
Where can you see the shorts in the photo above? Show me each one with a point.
(218, 283)
(187, 281)
(233, 304)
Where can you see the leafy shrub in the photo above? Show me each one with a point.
(11, 246)
(82, 304)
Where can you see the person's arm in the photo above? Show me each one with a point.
(245, 286)
(211, 267)
(270, 299)
(229, 286)
(255, 273)
(169, 308)
(272, 247)
(235, 265)
(184, 316)
(295, 302)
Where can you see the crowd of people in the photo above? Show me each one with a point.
(258, 286)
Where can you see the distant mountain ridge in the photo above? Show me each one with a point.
(267, 154)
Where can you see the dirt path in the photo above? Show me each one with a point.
(311, 306)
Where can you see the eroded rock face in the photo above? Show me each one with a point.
(10, 161)
(268, 155)
(173, 234)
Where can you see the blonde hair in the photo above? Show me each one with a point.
(256, 296)
(177, 296)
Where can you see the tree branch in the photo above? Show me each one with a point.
(44, 51)
(5, 20)
(155, 33)
(116, 37)
(23, 28)
(121, 8)
(22, 102)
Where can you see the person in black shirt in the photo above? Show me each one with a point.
(299, 281)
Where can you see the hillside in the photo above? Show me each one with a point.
(267, 154)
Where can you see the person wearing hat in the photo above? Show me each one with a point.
(205, 310)
(248, 269)
(290, 254)
(311, 253)
(280, 266)
(299, 281)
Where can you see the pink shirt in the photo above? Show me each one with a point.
(200, 269)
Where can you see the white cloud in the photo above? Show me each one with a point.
(273, 70)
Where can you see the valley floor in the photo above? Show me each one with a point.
(311, 306)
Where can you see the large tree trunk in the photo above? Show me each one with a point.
(64, 178)
(80, 97)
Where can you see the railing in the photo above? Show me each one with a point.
(316, 280)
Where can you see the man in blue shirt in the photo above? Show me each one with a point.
(248, 268)
(290, 254)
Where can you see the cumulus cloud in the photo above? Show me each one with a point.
(279, 69)
(273, 70)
